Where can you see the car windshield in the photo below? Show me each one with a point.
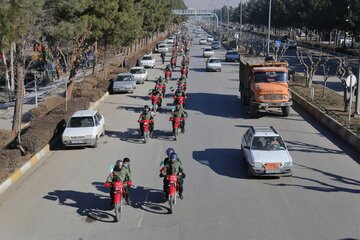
(124, 78)
(208, 50)
(270, 143)
(147, 58)
(214, 61)
(79, 122)
(215, 43)
(137, 71)
(265, 77)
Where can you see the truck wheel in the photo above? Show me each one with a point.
(285, 111)
(253, 110)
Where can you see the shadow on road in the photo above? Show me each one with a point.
(223, 161)
(220, 105)
(324, 186)
(163, 135)
(90, 205)
(135, 108)
(149, 199)
(132, 135)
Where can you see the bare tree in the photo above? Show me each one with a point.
(326, 76)
(311, 67)
(341, 71)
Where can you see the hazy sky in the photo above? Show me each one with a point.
(210, 4)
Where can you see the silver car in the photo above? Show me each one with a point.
(124, 82)
(213, 64)
(140, 74)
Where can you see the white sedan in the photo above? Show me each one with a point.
(140, 74)
(203, 41)
(147, 61)
(84, 129)
(213, 64)
(208, 52)
(266, 152)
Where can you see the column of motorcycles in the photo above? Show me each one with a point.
(157, 94)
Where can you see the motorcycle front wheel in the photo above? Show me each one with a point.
(172, 203)
(146, 137)
(118, 210)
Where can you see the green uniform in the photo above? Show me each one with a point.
(176, 168)
(123, 175)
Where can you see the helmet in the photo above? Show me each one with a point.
(119, 164)
(173, 157)
(169, 151)
(146, 109)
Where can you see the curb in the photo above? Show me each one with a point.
(330, 123)
(34, 159)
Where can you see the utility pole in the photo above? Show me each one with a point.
(268, 40)
(240, 20)
(357, 103)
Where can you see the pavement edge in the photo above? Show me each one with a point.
(36, 157)
(330, 123)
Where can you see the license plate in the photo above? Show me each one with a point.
(77, 141)
(272, 170)
(271, 166)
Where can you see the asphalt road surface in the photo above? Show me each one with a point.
(63, 197)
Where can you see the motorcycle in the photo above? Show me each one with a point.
(173, 63)
(167, 75)
(179, 100)
(184, 72)
(172, 190)
(145, 125)
(119, 197)
(176, 122)
(156, 102)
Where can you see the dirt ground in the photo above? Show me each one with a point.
(329, 102)
(47, 121)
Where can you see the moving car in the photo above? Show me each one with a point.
(84, 128)
(213, 64)
(147, 61)
(202, 41)
(124, 82)
(162, 47)
(208, 52)
(266, 152)
(197, 35)
(140, 74)
(210, 38)
(232, 56)
(215, 45)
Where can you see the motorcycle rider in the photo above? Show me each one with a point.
(180, 112)
(120, 173)
(148, 115)
(180, 93)
(161, 85)
(156, 92)
(174, 166)
(162, 55)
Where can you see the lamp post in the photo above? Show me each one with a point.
(268, 40)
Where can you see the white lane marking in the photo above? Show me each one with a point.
(147, 194)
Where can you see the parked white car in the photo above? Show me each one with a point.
(140, 74)
(124, 82)
(213, 64)
(84, 128)
(208, 52)
(147, 61)
(266, 152)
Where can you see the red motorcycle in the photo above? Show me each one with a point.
(173, 63)
(184, 72)
(167, 75)
(119, 197)
(176, 122)
(156, 102)
(179, 100)
(145, 128)
(172, 190)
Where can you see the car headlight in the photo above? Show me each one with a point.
(66, 138)
(261, 97)
(285, 97)
(257, 87)
(89, 137)
(258, 165)
(287, 164)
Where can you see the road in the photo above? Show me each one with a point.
(63, 196)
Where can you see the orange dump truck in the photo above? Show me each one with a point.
(264, 85)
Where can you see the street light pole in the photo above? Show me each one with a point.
(268, 40)
(240, 19)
